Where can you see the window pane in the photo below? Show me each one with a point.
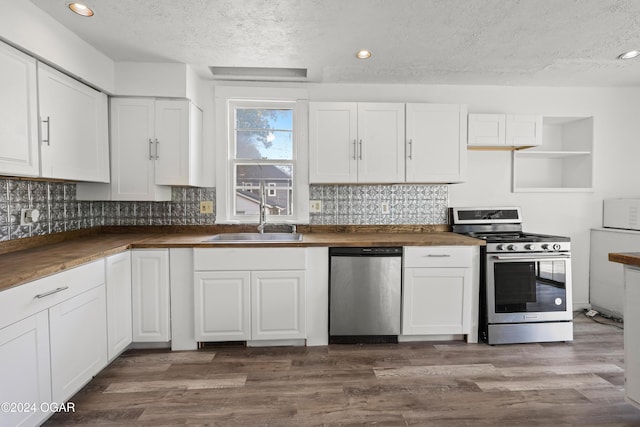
(263, 133)
(278, 183)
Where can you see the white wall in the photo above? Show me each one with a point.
(616, 153)
(27, 27)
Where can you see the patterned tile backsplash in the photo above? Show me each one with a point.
(60, 211)
(341, 205)
(380, 204)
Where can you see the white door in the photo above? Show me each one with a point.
(119, 318)
(436, 301)
(436, 143)
(486, 130)
(222, 306)
(25, 369)
(381, 143)
(277, 305)
(172, 142)
(150, 295)
(523, 130)
(133, 151)
(78, 339)
(333, 145)
(19, 154)
(74, 128)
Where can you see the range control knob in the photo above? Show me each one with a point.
(529, 247)
(556, 246)
(545, 246)
(500, 247)
(511, 247)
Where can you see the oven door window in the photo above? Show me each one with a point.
(531, 286)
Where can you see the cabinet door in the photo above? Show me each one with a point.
(487, 130)
(631, 335)
(436, 301)
(381, 143)
(222, 306)
(133, 151)
(436, 143)
(278, 305)
(74, 125)
(78, 339)
(19, 153)
(333, 147)
(172, 142)
(25, 369)
(119, 318)
(523, 130)
(150, 295)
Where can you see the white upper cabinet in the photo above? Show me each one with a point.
(435, 150)
(508, 131)
(380, 142)
(351, 142)
(74, 142)
(19, 153)
(376, 143)
(154, 144)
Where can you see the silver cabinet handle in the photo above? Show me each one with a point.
(354, 150)
(55, 291)
(438, 256)
(48, 121)
(410, 149)
(360, 156)
(150, 149)
(157, 144)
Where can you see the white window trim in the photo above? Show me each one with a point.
(224, 173)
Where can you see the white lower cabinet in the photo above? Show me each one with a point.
(631, 335)
(53, 340)
(119, 314)
(437, 290)
(25, 369)
(249, 294)
(150, 295)
(78, 340)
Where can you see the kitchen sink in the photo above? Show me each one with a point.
(256, 237)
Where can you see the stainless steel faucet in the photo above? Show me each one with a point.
(262, 209)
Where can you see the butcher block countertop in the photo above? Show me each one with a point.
(42, 257)
(627, 258)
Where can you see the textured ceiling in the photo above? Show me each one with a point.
(503, 42)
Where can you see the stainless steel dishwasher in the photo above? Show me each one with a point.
(365, 294)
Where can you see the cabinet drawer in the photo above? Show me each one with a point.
(244, 259)
(24, 300)
(438, 256)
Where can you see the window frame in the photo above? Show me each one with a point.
(227, 99)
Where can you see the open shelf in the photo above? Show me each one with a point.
(562, 163)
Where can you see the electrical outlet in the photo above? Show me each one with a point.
(384, 208)
(315, 206)
(206, 207)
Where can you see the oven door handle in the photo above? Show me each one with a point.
(537, 257)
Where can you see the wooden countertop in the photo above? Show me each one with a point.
(627, 258)
(30, 264)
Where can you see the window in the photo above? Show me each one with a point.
(263, 154)
(266, 146)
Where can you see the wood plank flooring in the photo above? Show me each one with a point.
(426, 384)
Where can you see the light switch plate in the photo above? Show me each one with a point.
(315, 206)
(206, 207)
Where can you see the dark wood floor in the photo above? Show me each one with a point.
(428, 384)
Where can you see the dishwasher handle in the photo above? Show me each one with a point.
(366, 251)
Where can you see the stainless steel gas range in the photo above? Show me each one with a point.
(525, 278)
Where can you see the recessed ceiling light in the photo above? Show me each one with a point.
(80, 9)
(363, 54)
(629, 55)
